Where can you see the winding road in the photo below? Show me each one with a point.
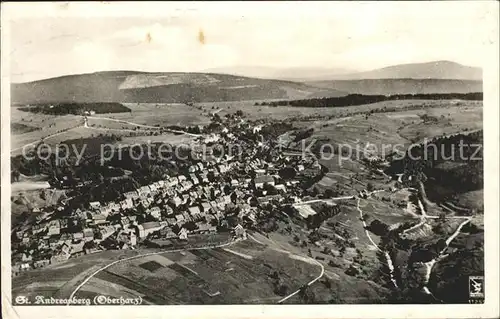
(140, 256)
(44, 138)
(308, 284)
(85, 125)
(312, 260)
(390, 265)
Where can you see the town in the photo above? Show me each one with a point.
(210, 194)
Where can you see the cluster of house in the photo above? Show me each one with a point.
(193, 202)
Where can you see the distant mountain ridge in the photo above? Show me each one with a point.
(182, 87)
(443, 70)
(401, 86)
(427, 70)
(172, 87)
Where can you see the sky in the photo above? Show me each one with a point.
(57, 40)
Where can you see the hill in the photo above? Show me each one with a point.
(299, 74)
(401, 86)
(428, 70)
(142, 87)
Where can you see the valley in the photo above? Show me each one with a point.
(356, 226)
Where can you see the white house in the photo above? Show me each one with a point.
(95, 205)
(54, 227)
(239, 231)
(127, 203)
(131, 195)
(183, 234)
(194, 179)
(144, 229)
(144, 191)
(155, 212)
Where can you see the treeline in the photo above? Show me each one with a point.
(40, 161)
(360, 99)
(76, 108)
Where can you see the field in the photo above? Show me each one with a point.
(162, 114)
(41, 125)
(253, 111)
(392, 127)
(59, 280)
(383, 133)
(335, 286)
(19, 128)
(29, 128)
(240, 273)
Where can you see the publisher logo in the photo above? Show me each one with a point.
(476, 286)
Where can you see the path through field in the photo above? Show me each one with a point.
(85, 125)
(143, 255)
(307, 259)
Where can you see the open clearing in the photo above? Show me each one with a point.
(161, 114)
(239, 274)
(58, 280)
(56, 129)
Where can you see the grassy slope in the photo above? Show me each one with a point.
(159, 87)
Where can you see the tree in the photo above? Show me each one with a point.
(281, 290)
(314, 237)
(271, 190)
(287, 173)
(306, 294)
(327, 283)
(190, 226)
(369, 187)
(442, 217)
(329, 193)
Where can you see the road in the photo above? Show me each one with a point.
(390, 265)
(322, 273)
(323, 200)
(424, 217)
(44, 138)
(368, 194)
(309, 283)
(85, 125)
(140, 256)
(365, 226)
(143, 125)
(430, 264)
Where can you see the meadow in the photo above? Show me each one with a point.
(241, 273)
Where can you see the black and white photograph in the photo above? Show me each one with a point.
(272, 154)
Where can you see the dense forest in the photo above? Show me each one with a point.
(359, 99)
(452, 164)
(448, 277)
(76, 108)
